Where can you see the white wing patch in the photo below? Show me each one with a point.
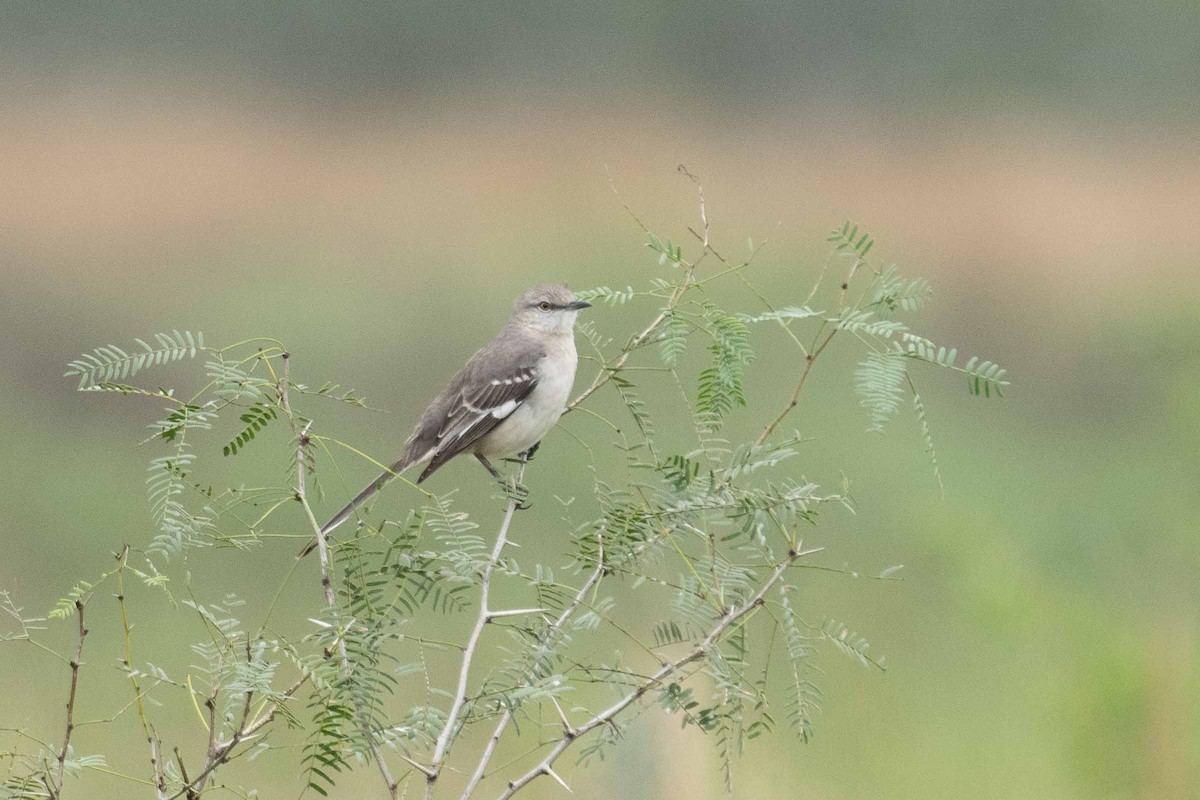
(499, 412)
(504, 409)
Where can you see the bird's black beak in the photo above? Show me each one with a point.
(578, 305)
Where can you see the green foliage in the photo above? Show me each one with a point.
(720, 385)
(186, 417)
(19, 627)
(804, 697)
(388, 576)
(256, 418)
(603, 294)
(850, 643)
(780, 315)
(667, 251)
(878, 381)
(336, 392)
(24, 787)
(881, 375)
(748, 459)
(65, 607)
(233, 383)
(668, 632)
(178, 527)
(894, 294)
(673, 344)
(462, 549)
(627, 389)
(926, 435)
(110, 363)
(984, 378)
(848, 239)
(587, 330)
(680, 471)
(323, 755)
(618, 535)
(866, 322)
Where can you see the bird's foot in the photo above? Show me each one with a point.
(517, 493)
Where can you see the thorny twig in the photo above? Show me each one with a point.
(54, 785)
(811, 356)
(608, 370)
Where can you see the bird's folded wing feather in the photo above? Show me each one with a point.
(488, 396)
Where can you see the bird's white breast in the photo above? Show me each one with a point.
(534, 418)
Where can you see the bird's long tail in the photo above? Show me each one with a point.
(362, 497)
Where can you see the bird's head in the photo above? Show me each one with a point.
(549, 308)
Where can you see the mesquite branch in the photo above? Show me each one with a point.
(54, 785)
(811, 354)
(160, 780)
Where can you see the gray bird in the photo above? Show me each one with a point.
(507, 397)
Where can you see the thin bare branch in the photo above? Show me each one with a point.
(55, 786)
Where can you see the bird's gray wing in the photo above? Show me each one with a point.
(491, 390)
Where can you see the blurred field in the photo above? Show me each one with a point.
(1044, 641)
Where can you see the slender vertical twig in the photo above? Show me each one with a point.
(485, 615)
(160, 781)
(55, 785)
(608, 370)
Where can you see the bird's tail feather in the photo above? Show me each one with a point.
(362, 497)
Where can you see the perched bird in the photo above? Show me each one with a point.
(506, 398)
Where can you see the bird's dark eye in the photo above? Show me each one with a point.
(544, 306)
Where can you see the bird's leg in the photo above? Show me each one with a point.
(488, 466)
(525, 456)
(515, 492)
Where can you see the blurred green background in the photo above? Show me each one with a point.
(372, 182)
